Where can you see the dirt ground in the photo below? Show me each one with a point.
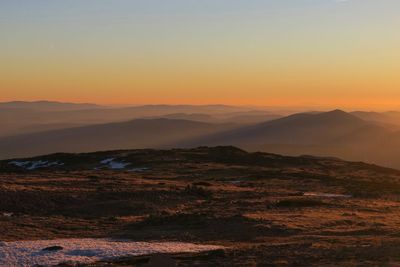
(257, 205)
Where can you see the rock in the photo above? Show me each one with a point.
(53, 248)
(161, 260)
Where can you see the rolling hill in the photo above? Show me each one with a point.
(299, 129)
(245, 117)
(263, 209)
(141, 133)
(335, 133)
(389, 119)
(28, 117)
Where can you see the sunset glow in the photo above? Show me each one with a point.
(323, 53)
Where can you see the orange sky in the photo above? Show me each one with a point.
(326, 53)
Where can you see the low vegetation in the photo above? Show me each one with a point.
(254, 204)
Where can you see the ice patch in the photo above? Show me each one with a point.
(114, 165)
(30, 253)
(33, 165)
(106, 161)
(118, 165)
(313, 194)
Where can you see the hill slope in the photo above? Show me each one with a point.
(28, 117)
(299, 129)
(334, 133)
(266, 209)
(132, 134)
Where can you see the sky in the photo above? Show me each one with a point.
(328, 53)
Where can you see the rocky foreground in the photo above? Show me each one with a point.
(264, 209)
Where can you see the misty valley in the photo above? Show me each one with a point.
(196, 186)
(199, 133)
(47, 127)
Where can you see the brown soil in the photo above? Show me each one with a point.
(251, 203)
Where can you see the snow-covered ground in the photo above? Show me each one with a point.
(30, 253)
(33, 165)
(113, 164)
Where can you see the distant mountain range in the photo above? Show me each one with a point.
(299, 129)
(245, 117)
(141, 133)
(334, 133)
(388, 118)
(359, 136)
(46, 105)
(29, 117)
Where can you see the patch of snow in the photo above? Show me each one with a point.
(313, 194)
(7, 214)
(118, 165)
(113, 164)
(30, 253)
(21, 164)
(33, 165)
(106, 161)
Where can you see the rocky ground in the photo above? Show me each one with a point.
(267, 210)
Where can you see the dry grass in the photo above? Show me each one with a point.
(252, 203)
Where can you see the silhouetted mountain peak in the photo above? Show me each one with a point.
(337, 111)
(308, 119)
(338, 115)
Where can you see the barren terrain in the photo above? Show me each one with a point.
(267, 210)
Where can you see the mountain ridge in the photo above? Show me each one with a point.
(138, 133)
